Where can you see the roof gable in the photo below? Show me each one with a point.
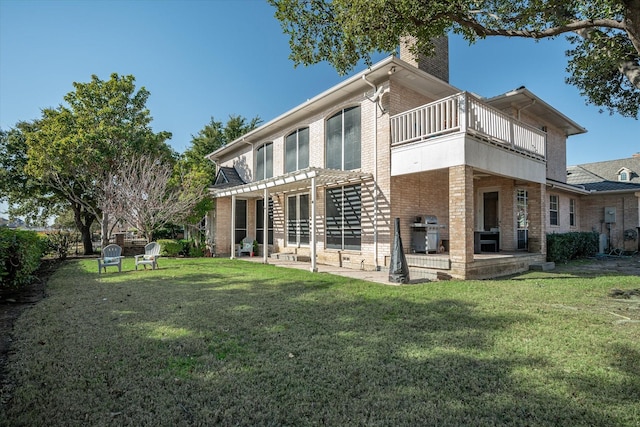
(227, 177)
(610, 169)
(603, 176)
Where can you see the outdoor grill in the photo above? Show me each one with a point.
(425, 234)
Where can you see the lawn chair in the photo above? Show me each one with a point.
(110, 258)
(246, 246)
(150, 256)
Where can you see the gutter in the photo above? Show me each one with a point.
(568, 187)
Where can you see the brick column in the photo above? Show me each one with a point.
(461, 214)
(537, 210)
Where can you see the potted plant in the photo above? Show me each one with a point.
(255, 248)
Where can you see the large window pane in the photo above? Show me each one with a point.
(352, 138)
(290, 153)
(334, 142)
(241, 220)
(304, 218)
(343, 218)
(343, 140)
(303, 148)
(264, 161)
(296, 150)
(292, 220)
(298, 228)
(268, 161)
(260, 221)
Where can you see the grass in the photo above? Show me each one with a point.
(222, 342)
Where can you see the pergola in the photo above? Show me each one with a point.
(309, 179)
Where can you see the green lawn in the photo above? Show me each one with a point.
(227, 342)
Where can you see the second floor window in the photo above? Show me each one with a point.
(553, 210)
(296, 150)
(264, 161)
(343, 140)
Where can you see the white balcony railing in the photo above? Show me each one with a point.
(464, 113)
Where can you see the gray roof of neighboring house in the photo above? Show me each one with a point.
(227, 177)
(603, 176)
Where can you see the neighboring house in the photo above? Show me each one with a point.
(325, 180)
(12, 223)
(611, 204)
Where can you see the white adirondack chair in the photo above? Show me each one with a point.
(246, 246)
(150, 256)
(111, 257)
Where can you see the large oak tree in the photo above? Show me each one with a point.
(603, 63)
(70, 150)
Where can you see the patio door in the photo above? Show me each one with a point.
(489, 211)
(522, 219)
(298, 220)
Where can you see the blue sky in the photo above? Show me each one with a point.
(213, 58)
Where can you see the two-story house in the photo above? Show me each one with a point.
(467, 176)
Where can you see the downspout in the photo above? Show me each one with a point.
(377, 94)
(533, 101)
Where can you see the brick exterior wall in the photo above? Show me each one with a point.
(556, 155)
(420, 194)
(591, 216)
(402, 99)
(436, 65)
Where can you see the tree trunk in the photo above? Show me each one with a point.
(104, 229)
(84, 227)
(86, 239)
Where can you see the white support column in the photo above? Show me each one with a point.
(313, 230)
(265, 232)
(233, 227)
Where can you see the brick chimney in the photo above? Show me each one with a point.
(436, 65)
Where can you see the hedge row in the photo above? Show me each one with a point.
(563, 247)
(20, 254)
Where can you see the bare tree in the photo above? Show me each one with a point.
(144, 193)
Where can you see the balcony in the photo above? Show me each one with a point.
(465, 114)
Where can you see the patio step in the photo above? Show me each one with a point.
(285, 257)
(542, 266)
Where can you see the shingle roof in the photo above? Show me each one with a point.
(227, 177)
(603, 176)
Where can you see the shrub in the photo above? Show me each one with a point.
(196, 252)
(59, 244)
(169, 247)
(563, 247)
(20, 254)
(185, 247)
